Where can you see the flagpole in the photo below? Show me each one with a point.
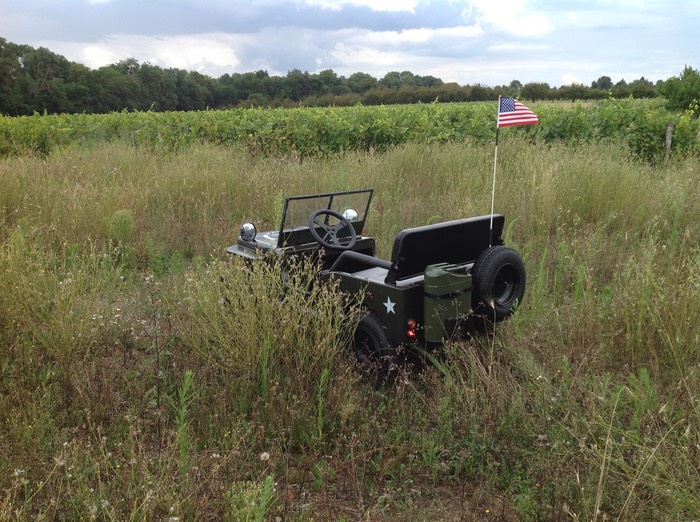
(493, 187)
(512, 112)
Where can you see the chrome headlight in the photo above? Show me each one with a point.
(248, 232)
(350, 214)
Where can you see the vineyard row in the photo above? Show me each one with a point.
(639, 124)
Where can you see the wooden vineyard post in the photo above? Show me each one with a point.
(669, 141)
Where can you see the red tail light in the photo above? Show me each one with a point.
(412, 327)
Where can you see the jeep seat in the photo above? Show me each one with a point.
(457, 242)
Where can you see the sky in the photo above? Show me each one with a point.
(488, 42)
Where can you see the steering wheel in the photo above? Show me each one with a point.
(330, 238)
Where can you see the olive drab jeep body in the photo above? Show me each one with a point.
(441, 282)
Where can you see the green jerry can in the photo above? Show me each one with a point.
(448, 297)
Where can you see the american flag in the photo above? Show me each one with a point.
(512, 112)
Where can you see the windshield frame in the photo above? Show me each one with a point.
(298, 209)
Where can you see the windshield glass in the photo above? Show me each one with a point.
(298, 209)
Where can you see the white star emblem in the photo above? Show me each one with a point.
(389, 306)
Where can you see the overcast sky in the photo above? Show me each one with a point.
(466, 41)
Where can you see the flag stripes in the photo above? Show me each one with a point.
(512, 112)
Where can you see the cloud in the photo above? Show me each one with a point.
(374, 5)
(509, 16)
(203, 53)
(95, 56)
(570, 79)
(435, 37)
(509, 47)
(468, 41)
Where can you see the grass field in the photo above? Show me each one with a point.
(129, 391)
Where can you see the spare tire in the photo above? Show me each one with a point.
(498, 283)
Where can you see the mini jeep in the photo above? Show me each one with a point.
(443, 282)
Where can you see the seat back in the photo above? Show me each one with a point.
(457, 242)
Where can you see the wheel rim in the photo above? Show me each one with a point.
(505, 285)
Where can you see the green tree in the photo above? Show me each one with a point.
(298, 85)
(452, 92)
(428, 81)
(242, 85)
(225, 92)
(514, 88)
(117, 87)
(621, 90)
(480, 93)
(330, 83)
(681, 91)
(256, 99)
(205, 85)
(80, 95)
(128, 67)
(573, 92)
(535, 91)
(9, 69)
(604, 83)
(408, 79)
(157, 88)
(361, 82)
(391, 80)
(193, 91)
(642, 88)
(43, 81)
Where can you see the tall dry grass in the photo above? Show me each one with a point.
(145, 375)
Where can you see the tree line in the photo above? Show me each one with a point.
(38, 80)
